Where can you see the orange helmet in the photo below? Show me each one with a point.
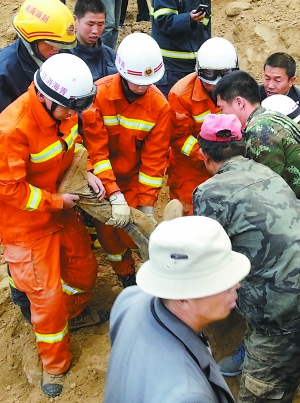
(47, 20)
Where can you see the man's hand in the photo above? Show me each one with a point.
(120, 211)
(96, 184)
(69, 200)
(149, 212)
(196, 17)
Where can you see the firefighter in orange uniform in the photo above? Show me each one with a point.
(127, 134)
(190, 101)
(46, 244)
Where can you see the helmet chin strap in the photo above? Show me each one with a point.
(129, 95)
(54, 105)
(36, 52)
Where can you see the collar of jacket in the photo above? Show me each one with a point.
(27, 62)
(90, 51)
(238, 159)
(195, 346)
(115, 92)
(251, 116)
(199, 92)
(294, 93)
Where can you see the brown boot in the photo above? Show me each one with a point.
(52, 385)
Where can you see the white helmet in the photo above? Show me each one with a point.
(66, 79)
(139, 59)
(283, 104)
(216, 58)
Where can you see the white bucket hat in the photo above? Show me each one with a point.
(190, 257)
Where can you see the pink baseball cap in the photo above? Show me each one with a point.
(221, 128)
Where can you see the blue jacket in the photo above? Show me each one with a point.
(178, 38)
(101, 59)
(156, 358)
(17, 69)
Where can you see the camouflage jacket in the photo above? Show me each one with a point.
(261, 215)
(274, 140)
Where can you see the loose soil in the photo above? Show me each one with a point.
(257, 29)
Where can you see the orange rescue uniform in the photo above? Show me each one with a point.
(48, 248)
(189, 104)
(128, 145)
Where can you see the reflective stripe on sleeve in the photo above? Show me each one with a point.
(34, 198)
(102, 166)
(78, 147)
(188, 145)
(200, 118)
(152, 181)
(205, 21)
(164, 11)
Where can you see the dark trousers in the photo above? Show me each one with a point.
(143, 14)
(123, 11)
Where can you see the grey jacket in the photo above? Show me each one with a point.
(156, 358)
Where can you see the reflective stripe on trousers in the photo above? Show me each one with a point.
(36, 268)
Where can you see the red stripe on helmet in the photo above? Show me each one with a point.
(158, 68)
(134, 73)
(39, 33)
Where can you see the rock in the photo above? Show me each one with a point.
(11, 34)
(116, 289)
(137, 28)
(73, 385)
(32, 366)
(236, 7)
(142, 26)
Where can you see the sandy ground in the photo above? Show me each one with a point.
(257, 28)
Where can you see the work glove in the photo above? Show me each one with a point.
(149, 212)
(120, 211)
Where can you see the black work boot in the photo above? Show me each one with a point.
(88, 317)
(128, 280)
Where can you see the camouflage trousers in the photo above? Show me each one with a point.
(271, 371)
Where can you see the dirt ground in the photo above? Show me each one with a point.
(257, 28)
